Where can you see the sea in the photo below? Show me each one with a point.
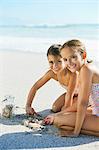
(39, 38)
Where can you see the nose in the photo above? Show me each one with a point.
(55, 66)
(69, 61)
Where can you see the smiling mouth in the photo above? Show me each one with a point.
(56, 70)
(72, 67)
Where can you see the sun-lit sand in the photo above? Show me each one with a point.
(19, 71)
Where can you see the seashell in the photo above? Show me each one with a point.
(7, 111)
(25, 122)
(32, 124)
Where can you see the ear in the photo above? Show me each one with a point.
(84, 55)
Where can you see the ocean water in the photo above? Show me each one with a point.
(87, 31)
(39, 38)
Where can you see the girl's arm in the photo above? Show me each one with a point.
(85, 88)
(70, 90)
(34, 89)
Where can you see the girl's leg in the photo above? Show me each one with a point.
(72, 108)
(59, 103)
(90, 125)
(64, 129)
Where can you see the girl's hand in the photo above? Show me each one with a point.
(30, 110)
(48, 120)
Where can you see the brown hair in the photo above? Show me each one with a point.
(54, 50)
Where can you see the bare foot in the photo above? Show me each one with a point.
(62, 132)
(68, 133)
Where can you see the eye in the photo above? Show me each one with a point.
(59, 61)
(74, 56)
(65, 59)
(51, 62)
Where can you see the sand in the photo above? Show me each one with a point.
(19, 70)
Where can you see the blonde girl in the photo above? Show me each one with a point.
(72, 124)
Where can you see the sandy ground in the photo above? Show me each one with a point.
(18, 73)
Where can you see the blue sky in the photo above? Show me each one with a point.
(34, 12)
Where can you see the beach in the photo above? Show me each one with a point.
(27, 29)
(23, 61)
(19, 71)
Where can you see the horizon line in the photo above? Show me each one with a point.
(50, 25)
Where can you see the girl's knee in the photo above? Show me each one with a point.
(54, 108)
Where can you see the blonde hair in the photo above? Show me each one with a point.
(75, 45)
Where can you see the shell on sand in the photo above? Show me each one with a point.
(7, 111)
(32, 125)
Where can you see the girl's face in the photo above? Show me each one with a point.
(72, 59)
(55, 63)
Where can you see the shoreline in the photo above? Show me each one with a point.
(40, 45)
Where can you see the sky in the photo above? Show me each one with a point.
(50, 12)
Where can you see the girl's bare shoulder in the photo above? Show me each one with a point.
(90, 67)
(51, 74)
(87, 72)
(95, 72)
